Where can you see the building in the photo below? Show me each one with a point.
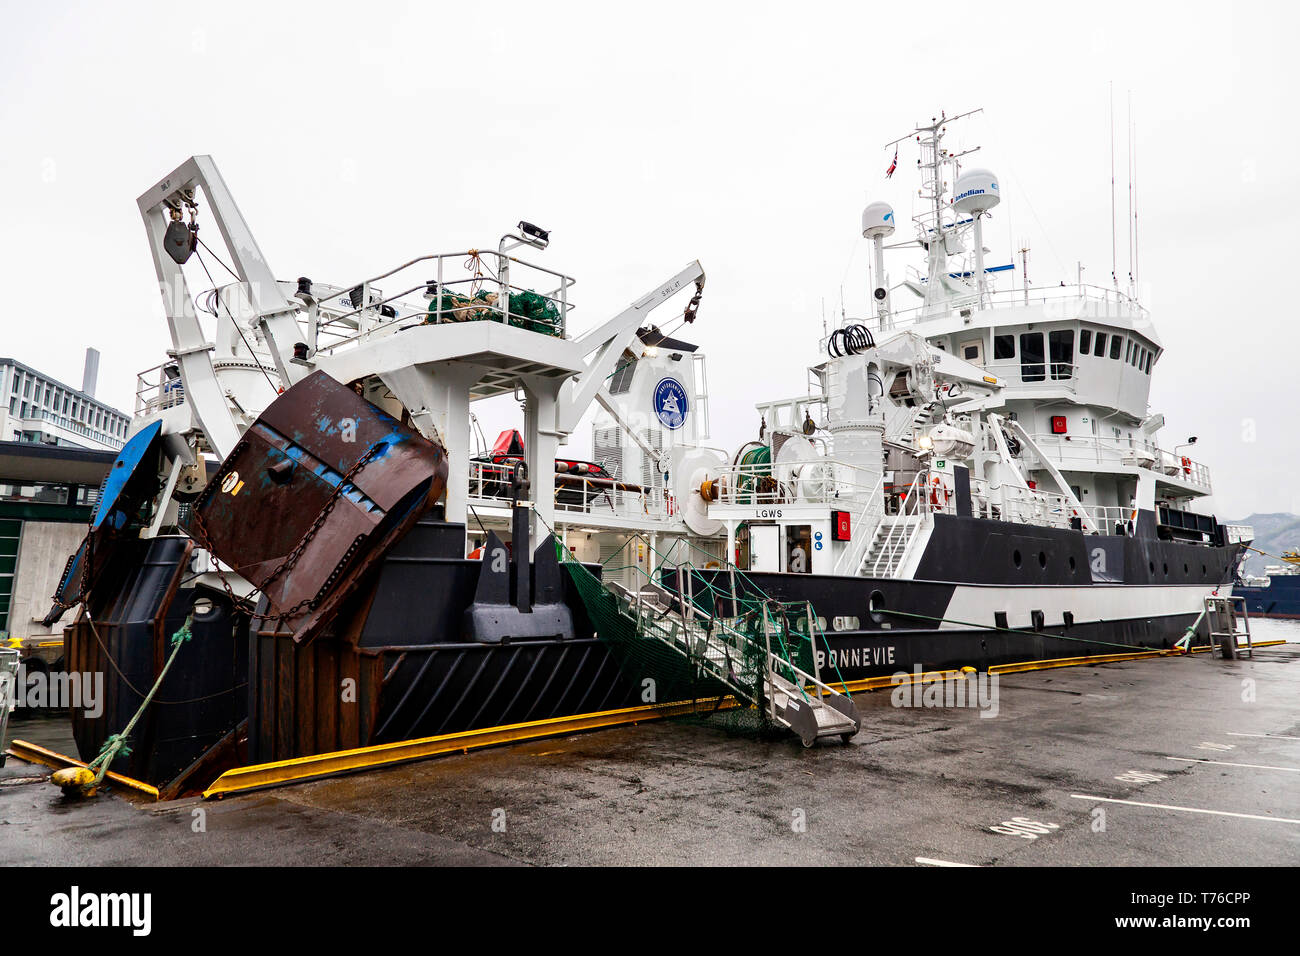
(56, 445)
(47, 495)
(37, 408)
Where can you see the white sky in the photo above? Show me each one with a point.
(358, 135)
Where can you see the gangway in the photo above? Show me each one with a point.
(696, 639)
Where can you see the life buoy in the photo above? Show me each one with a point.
(939, 493)
(1187, 466)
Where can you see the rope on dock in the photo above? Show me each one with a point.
(83, 781)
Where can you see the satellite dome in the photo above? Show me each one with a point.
(878, 220)
(976, 192)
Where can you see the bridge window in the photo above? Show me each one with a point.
(1061, 343)
(1004, 347)
(1099, 349)
(1031, 357)
(1116, 343)
(1085, 341)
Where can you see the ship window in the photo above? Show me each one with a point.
(1061, 343)
(1004, 347)
(1150, 356)
(1116, 343)
(1085, 341)
(621, 380)
(798, 548)
(1031, 357)
(1099, 349)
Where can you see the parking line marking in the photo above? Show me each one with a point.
(1165, 806)
(927, 861)
(1225, 763)
(1268, 736)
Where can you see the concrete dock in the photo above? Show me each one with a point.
(1188, 761)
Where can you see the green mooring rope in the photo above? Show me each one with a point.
(116, 744)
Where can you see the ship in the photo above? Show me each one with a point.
(307, 522)
(1275, 592)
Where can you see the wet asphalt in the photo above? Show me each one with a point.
(1056, 778)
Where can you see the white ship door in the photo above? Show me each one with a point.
(973, 351)
(764, 547)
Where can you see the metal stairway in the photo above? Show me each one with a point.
(887, 554)
(756, 667)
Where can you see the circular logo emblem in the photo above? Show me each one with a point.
(670, 403)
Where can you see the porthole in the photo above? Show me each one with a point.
(1204, 570)
(1151, 566)
(1072, 564)
(1015, 557)
(1184, 569)
(1042, 559)
(1166, 569)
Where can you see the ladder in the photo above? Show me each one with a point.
(1221, 612)
(747, 651)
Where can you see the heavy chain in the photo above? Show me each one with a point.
(292, 557)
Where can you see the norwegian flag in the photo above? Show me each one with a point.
(892, 166)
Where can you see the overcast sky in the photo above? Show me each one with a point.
(358, 135)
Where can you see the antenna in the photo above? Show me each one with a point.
(1113, 254)
(1131, 236)
(1137, 264)
(931, 166)
(1024, 266)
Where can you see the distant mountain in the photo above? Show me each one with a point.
(1274, 533)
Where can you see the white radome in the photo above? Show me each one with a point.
(976, 192)
(878, 220)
